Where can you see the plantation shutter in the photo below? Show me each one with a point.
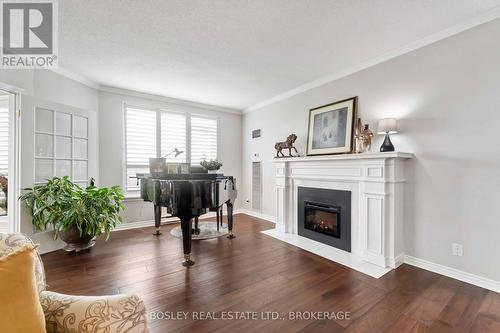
(4, 136)
(140, 143)
(173, 135)
(156, 133)
(203, 139)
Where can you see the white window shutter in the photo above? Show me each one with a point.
(144, 134)
(173, 135)
(203, 139)
(140, 143)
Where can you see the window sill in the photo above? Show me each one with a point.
(132, 198)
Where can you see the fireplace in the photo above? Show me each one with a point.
(322, 218)
(325, 216)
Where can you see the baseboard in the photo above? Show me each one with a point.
(396, 261)
(259, 215)
(150, 223)
(454, 273)
(4, 226)
(141, 224)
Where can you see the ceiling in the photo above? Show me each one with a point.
(239, 53)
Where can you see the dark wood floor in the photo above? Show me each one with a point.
(255, 272)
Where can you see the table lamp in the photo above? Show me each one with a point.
(387, 126)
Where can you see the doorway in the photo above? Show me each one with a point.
(9, 221)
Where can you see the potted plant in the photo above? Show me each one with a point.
(212, 166)
(78, 215)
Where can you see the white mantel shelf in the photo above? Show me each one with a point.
(392, 154)
(376, 182)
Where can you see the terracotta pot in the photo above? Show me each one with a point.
(73, 240)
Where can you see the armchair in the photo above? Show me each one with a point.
(65, 313)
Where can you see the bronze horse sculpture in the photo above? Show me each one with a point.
(288, 144)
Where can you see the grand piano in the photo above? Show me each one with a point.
(188, 196)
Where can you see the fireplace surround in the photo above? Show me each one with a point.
(375, 182)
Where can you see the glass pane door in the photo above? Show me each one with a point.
(4, 154)
(7, 184)
(61, 146)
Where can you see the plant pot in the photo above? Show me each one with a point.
(213, 171)
(75, 242)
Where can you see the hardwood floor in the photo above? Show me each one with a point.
(257, 273)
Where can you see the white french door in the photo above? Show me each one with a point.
(9, 175)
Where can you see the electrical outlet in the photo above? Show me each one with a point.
(457, 249)
(247, 200)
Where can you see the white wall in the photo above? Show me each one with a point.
(47, 89)
(105, 111)
(111, 133)
(447, 96)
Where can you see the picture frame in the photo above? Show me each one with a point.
(157, 167)
(172, 168)
(331, 128)
(184, 168)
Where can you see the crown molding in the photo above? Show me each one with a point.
(76, 77)
(115, 90)
(485, 17)
(170, 100)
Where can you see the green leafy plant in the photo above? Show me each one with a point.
(211, 165)
(62, 204)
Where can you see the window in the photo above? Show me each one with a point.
(141, 143)
(156, 133)
(61, 146)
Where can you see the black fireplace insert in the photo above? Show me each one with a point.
(325, 216)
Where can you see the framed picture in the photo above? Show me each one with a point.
(172, 168)
(157, 167)
(331, 128)
(184, 168)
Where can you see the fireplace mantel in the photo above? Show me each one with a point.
(376, 181)
(341, 157)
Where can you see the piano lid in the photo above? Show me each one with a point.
(190, 176)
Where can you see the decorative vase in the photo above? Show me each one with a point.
(74, 241)
(358, 142)
(366, 135)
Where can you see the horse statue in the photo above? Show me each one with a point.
(288, 144)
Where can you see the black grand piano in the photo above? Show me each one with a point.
(187, 196)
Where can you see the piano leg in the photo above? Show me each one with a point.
(230, 220)
(217, 218)
(221, 216)
(157, 220)
(186, 227)
(196, 230)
